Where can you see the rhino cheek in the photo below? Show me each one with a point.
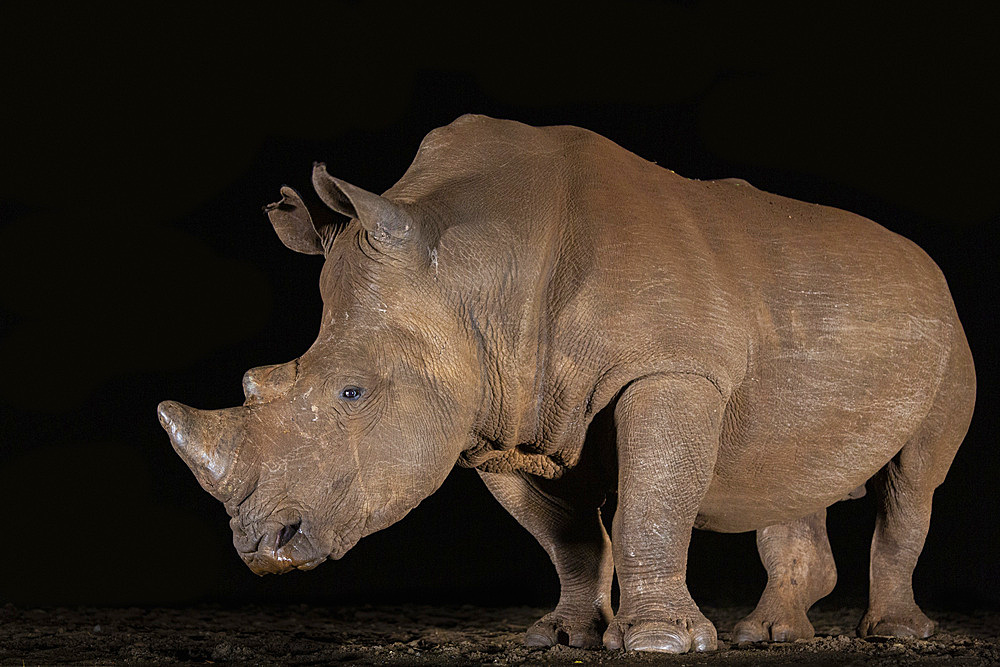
(348, 521)
(392, 489)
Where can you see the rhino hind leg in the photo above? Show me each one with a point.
(569, 528)
(903, 491)
(800, 571)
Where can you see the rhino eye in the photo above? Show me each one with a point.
(351, 393)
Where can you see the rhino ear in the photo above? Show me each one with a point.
(293, 223)
(383, 219)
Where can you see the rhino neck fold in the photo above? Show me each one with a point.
(509, 267)
(512, 322)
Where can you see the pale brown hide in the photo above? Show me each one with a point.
(762, 357)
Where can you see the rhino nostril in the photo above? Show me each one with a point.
(286, 534)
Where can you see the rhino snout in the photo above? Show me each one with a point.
(278, 548)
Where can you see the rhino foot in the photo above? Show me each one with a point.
(662, 634)
(558, 628)
(781, 627)
(906, 623)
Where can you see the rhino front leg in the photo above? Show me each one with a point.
(800, 571)
(668, 434)
(569, 528)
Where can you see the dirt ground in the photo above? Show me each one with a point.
(424, 635)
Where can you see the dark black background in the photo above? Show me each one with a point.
(136, 265)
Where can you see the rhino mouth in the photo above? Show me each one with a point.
(280, 548)
(263, 565)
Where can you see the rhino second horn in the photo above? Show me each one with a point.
(266, 382)
(207, 440)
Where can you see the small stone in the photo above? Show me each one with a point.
(97, 628)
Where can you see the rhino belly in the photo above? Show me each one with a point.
(816, 418)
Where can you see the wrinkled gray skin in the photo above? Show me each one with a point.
(571, 320)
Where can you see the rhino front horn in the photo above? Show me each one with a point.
(207, 440)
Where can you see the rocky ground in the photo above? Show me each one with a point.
(424, 635)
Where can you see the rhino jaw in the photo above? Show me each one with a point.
(207, 440)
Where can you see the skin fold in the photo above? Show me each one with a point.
(573, 321)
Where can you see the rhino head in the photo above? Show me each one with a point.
(346, 439)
